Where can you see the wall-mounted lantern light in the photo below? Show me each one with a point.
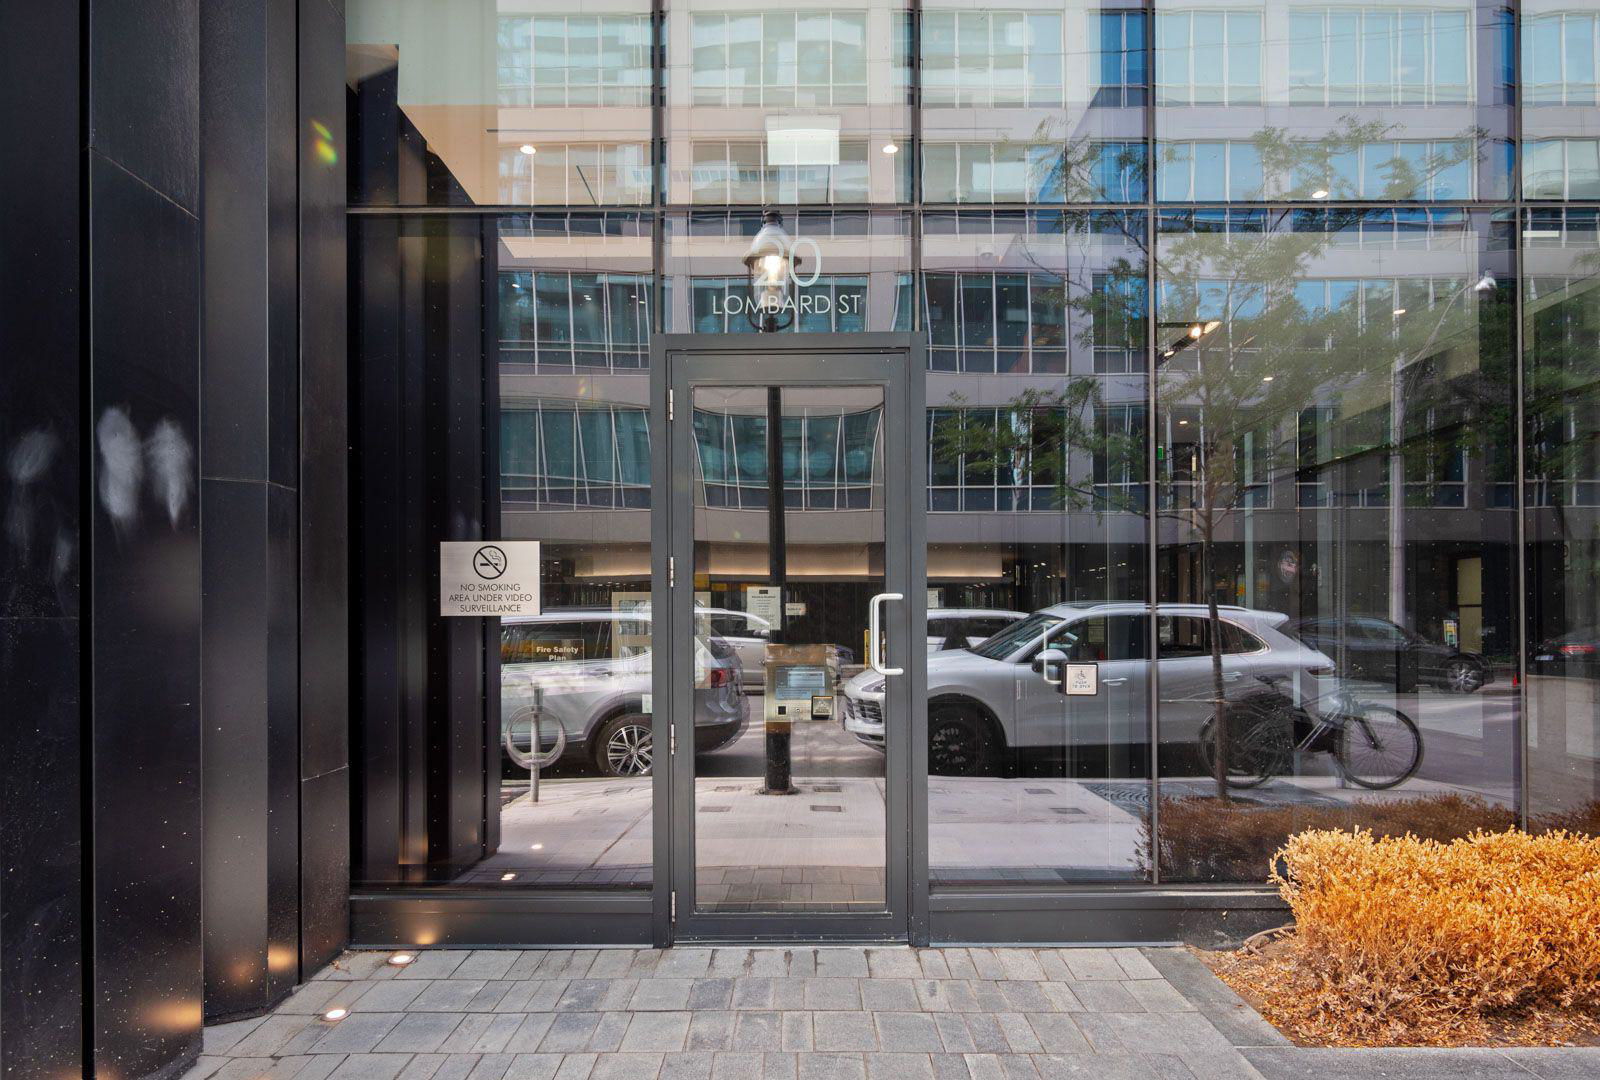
(771, 262)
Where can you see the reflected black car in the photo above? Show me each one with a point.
(1377, 650)
(1577, 653)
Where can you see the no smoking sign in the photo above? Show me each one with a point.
(484, 578)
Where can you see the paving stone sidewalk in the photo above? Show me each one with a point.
(801, 1014)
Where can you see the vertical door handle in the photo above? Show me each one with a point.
(875, 634)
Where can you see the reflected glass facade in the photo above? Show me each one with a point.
(1262, 349)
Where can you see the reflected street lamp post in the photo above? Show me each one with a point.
(771, 264)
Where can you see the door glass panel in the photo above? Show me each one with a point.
(789, 810)
(1036, 535)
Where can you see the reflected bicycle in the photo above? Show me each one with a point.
(1376, 746)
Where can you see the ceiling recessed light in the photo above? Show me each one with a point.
(508, 877)
(1320, 193)
(1183, 423)
(890, 148)
(527, 148)
(333, 1016)
(401, 959)
(538, 847)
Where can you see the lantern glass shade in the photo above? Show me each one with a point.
(770, 262)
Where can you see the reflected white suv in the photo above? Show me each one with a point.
(991, 697)
(593, 667)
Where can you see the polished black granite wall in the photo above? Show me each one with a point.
(173, 760)
(41, 489)
(250, 515)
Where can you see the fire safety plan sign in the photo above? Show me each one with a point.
(489, 577)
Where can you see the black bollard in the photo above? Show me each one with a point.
(780, 779)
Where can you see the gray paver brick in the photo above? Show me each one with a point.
(1093, 964)
(907, 1032)
(691, 1065)
(893, 964)
(889, 995)
(1134, 964)
(843, 1031)
(1105, 997)
(899, 1067)
(953, 1033)
(661, 994)
(434, 964)
(569, 1032)
(414, 1033)
(663, 1031)
(832, 1067)
(626, 1067)
(832, 994)
(490, 1067)
(1057, 1034)
(711, 1031)
(530, 1033)
(714, 993)
(609, 1032)
(482, 1033)
(358, 1033)
(370, 1067)
(758, 1031)
(487, 964)
(795, 1031)
(533, 1067)
(841, 963)
(779, 1066)
(576, 1067)
(736, 1065)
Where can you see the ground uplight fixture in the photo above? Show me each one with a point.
(1399, 311)
(333, 1016)
(508, 877)
(401, 959)
(771, 262)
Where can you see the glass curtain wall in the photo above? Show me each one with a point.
(1261, 346)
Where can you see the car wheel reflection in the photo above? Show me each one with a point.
(961, 741)
(1463, 676)
(627, 746)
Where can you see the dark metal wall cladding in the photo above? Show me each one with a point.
(40, 631)
(179, 435)
(425, 760)
(144, 620)
(324, 489)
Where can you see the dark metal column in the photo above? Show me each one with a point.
(779, 765)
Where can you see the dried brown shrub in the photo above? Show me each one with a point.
(1204, 839)
(1407, 934)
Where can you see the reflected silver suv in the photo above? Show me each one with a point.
(992, 697)
(593, 667)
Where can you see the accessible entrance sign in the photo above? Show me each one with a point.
(483, 577)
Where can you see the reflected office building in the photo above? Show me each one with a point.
(1214, 314)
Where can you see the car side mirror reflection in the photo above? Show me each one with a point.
(1048, 664)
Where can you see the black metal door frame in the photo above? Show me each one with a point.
(895, 363)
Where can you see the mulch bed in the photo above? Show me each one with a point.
(1273, 983)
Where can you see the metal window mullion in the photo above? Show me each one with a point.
(1152, 532)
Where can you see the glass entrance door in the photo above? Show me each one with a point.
(790, 575)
